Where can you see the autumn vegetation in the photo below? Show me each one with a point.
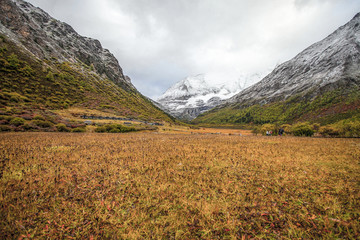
(327, 108)
(62, 177)
(343, 128)
(177, 186)
(32, 86)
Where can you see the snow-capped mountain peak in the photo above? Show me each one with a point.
(193, 95)
(190, 86)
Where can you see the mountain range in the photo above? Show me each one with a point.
(320, 84)
(46, 66)
(194, 95)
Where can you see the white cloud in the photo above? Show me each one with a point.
(160, 42)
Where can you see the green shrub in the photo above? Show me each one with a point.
(13, 96)
(5, 128)
(17, 121)
(109, 127)
(41, 123)
(268, 127)
(78, 130)
(62, 128)
(100, 129)
(287, 128)
(50, 77)
(316, 127)
(14, 62)
(344, 128)
(329, 131)
(107, 106)
(114, 128)
(27, 126)
(39, 117)
(256, 130)
(349, 128)
(27, 71)
(3, 49)
(5, 117)
(14, 99)
(302, 129)
(355, 129)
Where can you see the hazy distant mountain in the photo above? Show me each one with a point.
(321, 83)
(196, 94)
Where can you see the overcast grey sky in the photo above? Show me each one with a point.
(159, 42)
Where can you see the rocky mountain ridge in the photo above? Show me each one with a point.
(47, 67)
(321, 82)
(317, 68)
(47, 38)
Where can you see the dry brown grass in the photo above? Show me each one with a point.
(178, 129)
(166, 186)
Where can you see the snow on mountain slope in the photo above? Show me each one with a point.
(320, 83)
(196, 94)
(335, 58)
(190, 86)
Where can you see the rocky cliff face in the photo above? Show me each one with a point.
(48, 38)
(322, 67)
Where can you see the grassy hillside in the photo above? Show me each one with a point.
(329, 107)
(33, 86)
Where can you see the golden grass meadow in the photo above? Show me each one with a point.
(178, 186)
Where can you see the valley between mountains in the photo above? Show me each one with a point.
(52, 74)
(85, 155)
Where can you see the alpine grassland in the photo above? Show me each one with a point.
(178, 186)
(30, 86)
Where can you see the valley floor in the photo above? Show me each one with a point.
(177, 186)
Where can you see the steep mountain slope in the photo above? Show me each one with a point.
(48, 38)
(196, 94)
(319, 84)
(45, 64)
